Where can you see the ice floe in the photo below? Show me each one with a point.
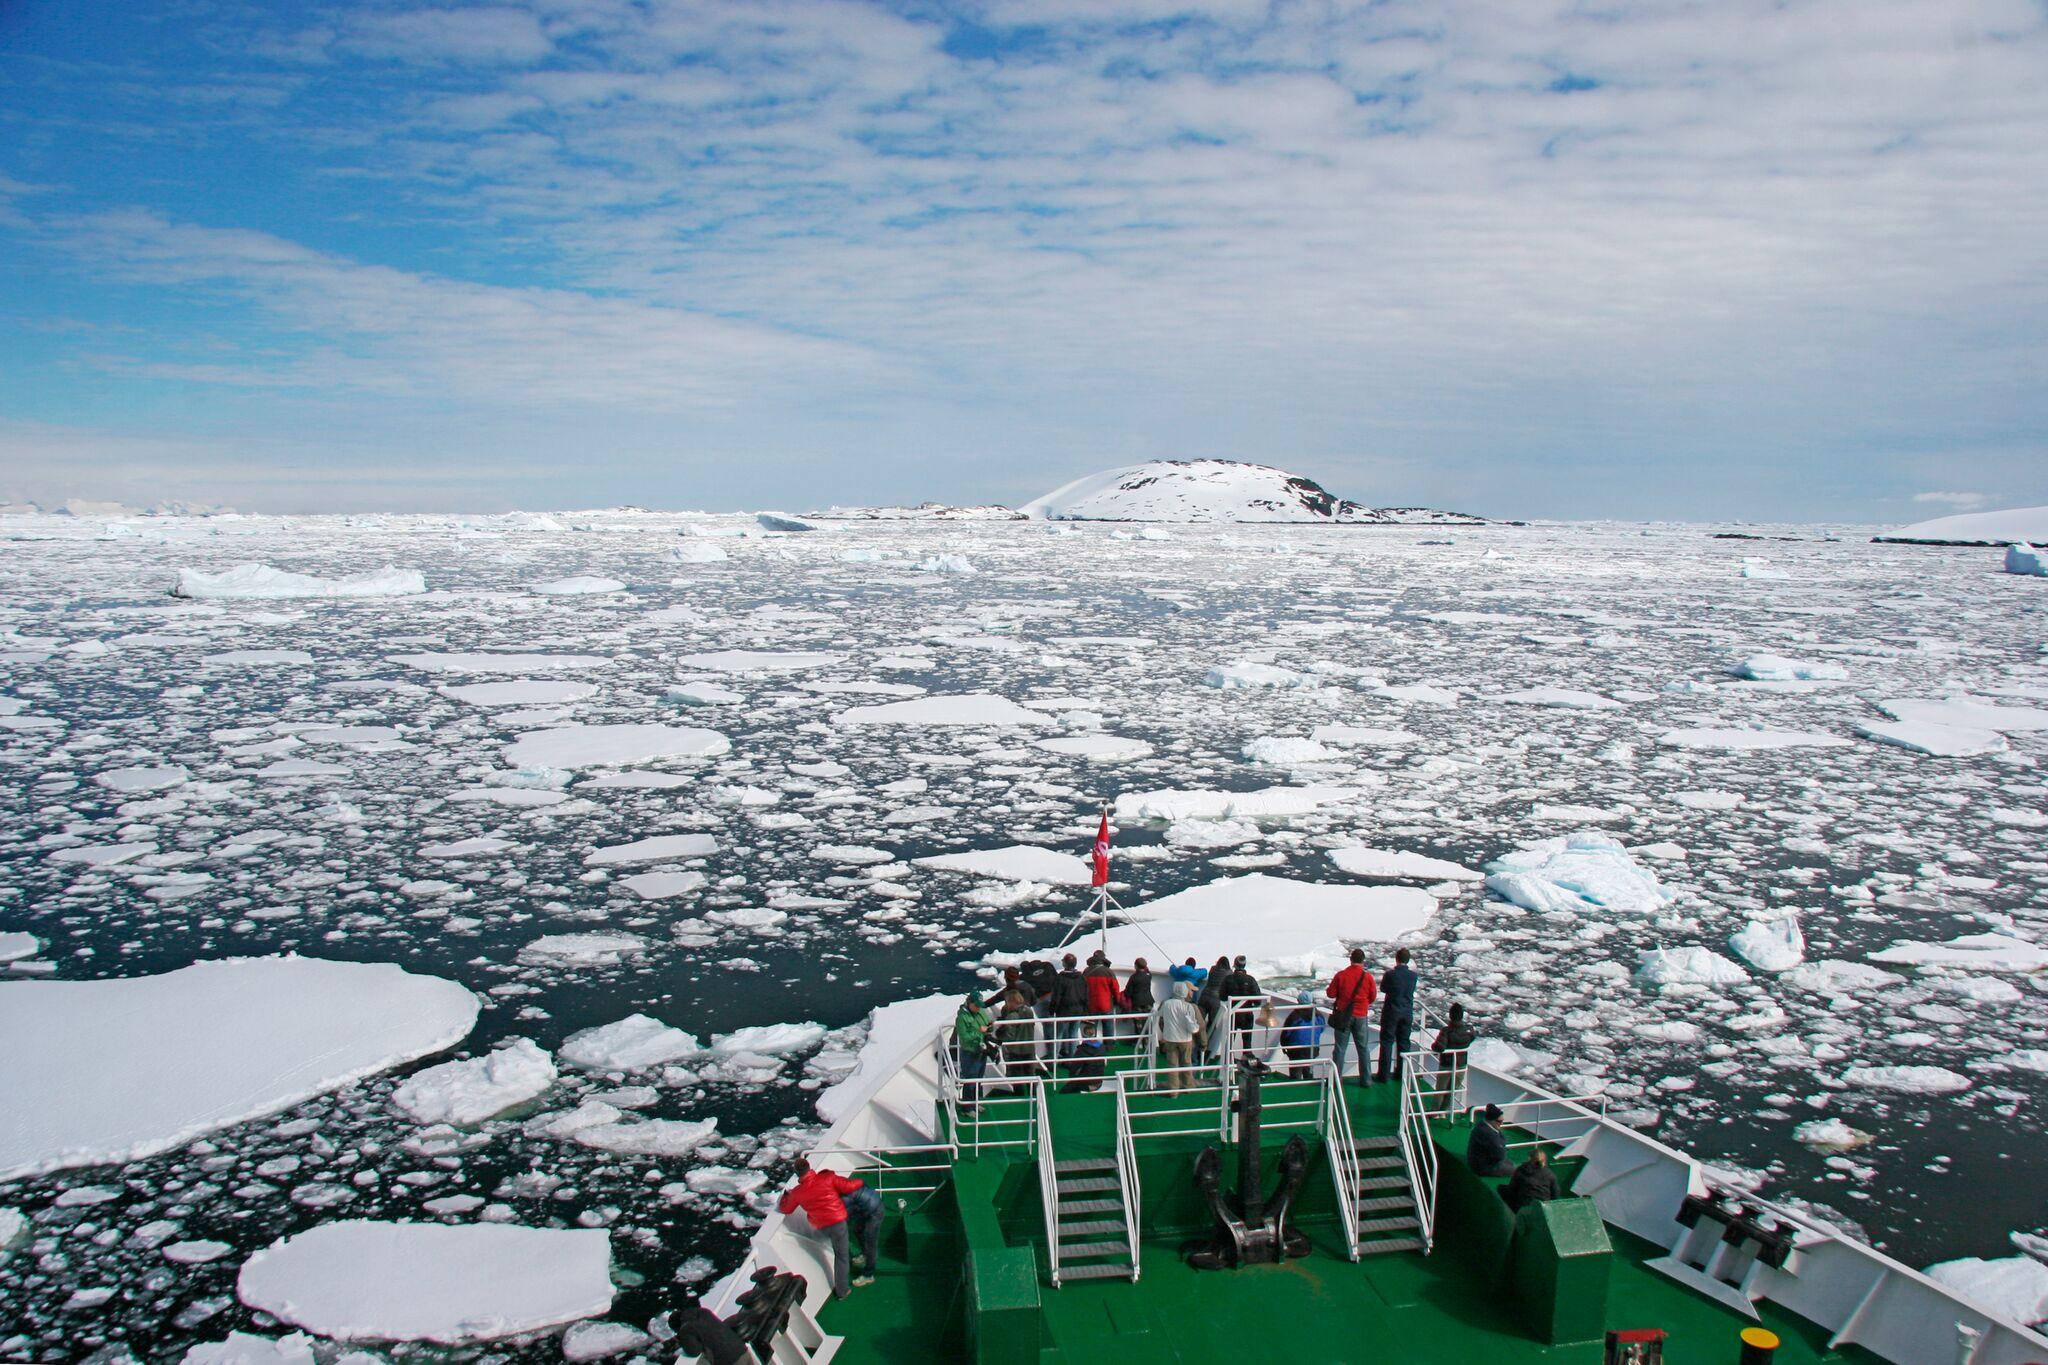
(1401, 865)
(119, 1069)
(1579, 872)
(468, 1091)
(1971, 952)
(359, 1280)
(1284, 927)
(964, 709)
(658, 848)
(634, 1043)
(1770, 945)
(521, 692)
(2013, 1287)
(497, 662)
(583, 585)
(1743, 738)
(611, 746)
(1687, 966)
(261, 581)
(1019, 862)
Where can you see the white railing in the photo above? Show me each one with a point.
(935, 1157)
(1048, 1184)
(1344, 1167)
(1127, 1176)
(1418, 1150)
(1580, 1114)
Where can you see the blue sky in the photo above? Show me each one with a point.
(1773, 260)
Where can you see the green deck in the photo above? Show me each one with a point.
(1400, 1307)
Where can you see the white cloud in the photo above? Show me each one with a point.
(1962, 502)
(1530, 239)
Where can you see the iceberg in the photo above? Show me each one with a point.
(634, 1043)
(1691, 966)
(1770, 945)
(1577, 872)
(2029, 560)
(469, 1091)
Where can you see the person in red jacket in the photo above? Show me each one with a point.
(1105, 995)
(1351, 996)
(825, 1197)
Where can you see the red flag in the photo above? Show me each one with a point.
(1102, 853)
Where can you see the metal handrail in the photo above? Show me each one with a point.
(1418, 1150)
(1127, 1176)
(1344, 1168)
(1535, 1126)
(1048, 1183)
(872, 1159)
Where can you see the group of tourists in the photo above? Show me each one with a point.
(1045, 1024)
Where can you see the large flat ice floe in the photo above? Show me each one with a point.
(611, 746)
(261, 582)
(894, 1031)
(1283, 927)
(371, 1281)
(1743, 738)
(758, 660)
(2014, 1287)
(1017, 863)
(108, 1071)
(1267, 803)
(966, 708)
(1400, 865)
(1579, 872)
(492, 661)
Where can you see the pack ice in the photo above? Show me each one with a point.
(116, 1070)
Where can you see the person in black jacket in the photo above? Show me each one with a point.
(1240, 985)
(1069, 1003)
(1138, 988)
(1452, 1042)
(1210, 1003)
(1397, 1015)
(1038, 974)
(1533, 1182)
(1486, 1151)
(1013, 980)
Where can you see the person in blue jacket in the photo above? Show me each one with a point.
(1397, 1015)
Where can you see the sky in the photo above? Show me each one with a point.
(1781, 260)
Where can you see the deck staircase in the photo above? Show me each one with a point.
(1090, 1226)
(1388, 1220)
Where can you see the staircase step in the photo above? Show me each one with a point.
(1366, 1144)
(1382, 1182)
(1077, 1250)
(1382, 1248)
(1096, 1272)
(1399, 1201)
(1086, 1164)
(1388, 1224)
(1068, 1206)
(1091, 1227)
(1083, 1186)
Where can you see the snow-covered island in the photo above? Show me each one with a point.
(2009, 526)
(1219, 491)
